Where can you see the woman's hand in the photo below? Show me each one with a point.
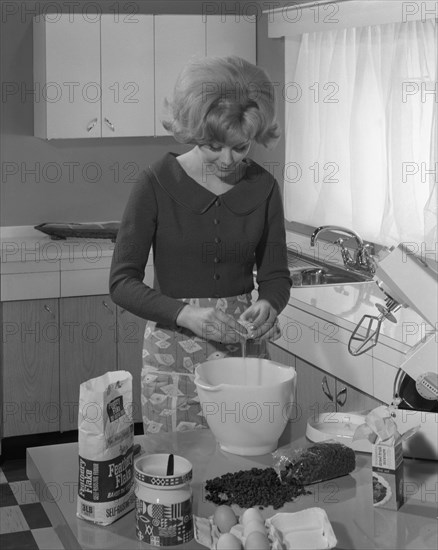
(260, 319)
(211, 324)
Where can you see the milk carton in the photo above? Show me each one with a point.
(380, 429)
(387, 473)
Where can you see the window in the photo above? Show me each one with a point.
(361, 137)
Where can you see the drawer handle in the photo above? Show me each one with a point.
(109, 124)
(326, 389)
(341, 398)
(107, 307)
(91, 124)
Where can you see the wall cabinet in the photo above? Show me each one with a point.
(177, 39)
(49, 347)
(30, 367)
(93, 76)
(231, 35)
(107, 76)
(195, 35)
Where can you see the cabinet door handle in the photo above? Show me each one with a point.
(326, 389)
(341, 397)
(91, 124)
(47, 308)
(109, 124)
(107, 307)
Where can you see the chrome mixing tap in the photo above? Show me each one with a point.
(362, 260)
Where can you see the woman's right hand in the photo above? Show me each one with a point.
(211, 324)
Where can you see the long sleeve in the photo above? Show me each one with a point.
(134, 241)
(273, 276)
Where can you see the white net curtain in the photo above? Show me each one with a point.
(361, 138)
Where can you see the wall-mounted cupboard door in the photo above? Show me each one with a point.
(177, 39)
(231, 35)
(181, 37)
(127, 52)
(66, 60)
(94, 76)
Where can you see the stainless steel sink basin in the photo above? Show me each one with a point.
(311, 273)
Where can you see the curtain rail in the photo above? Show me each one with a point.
(302, 18)
(300, 4)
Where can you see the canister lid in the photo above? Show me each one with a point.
(151, 469)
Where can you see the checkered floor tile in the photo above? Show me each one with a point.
(24, 524)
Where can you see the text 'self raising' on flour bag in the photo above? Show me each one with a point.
(106, 441)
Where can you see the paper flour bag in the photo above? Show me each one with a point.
(106, 440)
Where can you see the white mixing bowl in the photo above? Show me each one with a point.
(246, 402)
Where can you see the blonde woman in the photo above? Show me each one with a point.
(210, 216)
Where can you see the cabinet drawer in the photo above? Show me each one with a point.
(84, 282)
(29, 286)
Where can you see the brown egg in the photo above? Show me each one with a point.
(257, 541)
(224, 518)
(254, 525)
(227, 541)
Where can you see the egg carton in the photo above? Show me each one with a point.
(306, 529)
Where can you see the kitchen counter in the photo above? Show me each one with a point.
(53, 471)
(35, 266)
(346, 304)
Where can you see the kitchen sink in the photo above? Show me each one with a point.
(313, 273)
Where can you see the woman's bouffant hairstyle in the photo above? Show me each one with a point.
(222, 100)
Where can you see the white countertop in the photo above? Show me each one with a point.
(35, 266)
(24, 244)
(347, 500)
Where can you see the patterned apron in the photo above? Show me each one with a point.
(169, 398)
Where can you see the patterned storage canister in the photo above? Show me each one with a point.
(163, 502)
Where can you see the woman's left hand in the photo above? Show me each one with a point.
(261, 322)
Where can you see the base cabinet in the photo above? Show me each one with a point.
(87, 348)
(30, 367)
(130, 331)
(49, 347)
(317, 392)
